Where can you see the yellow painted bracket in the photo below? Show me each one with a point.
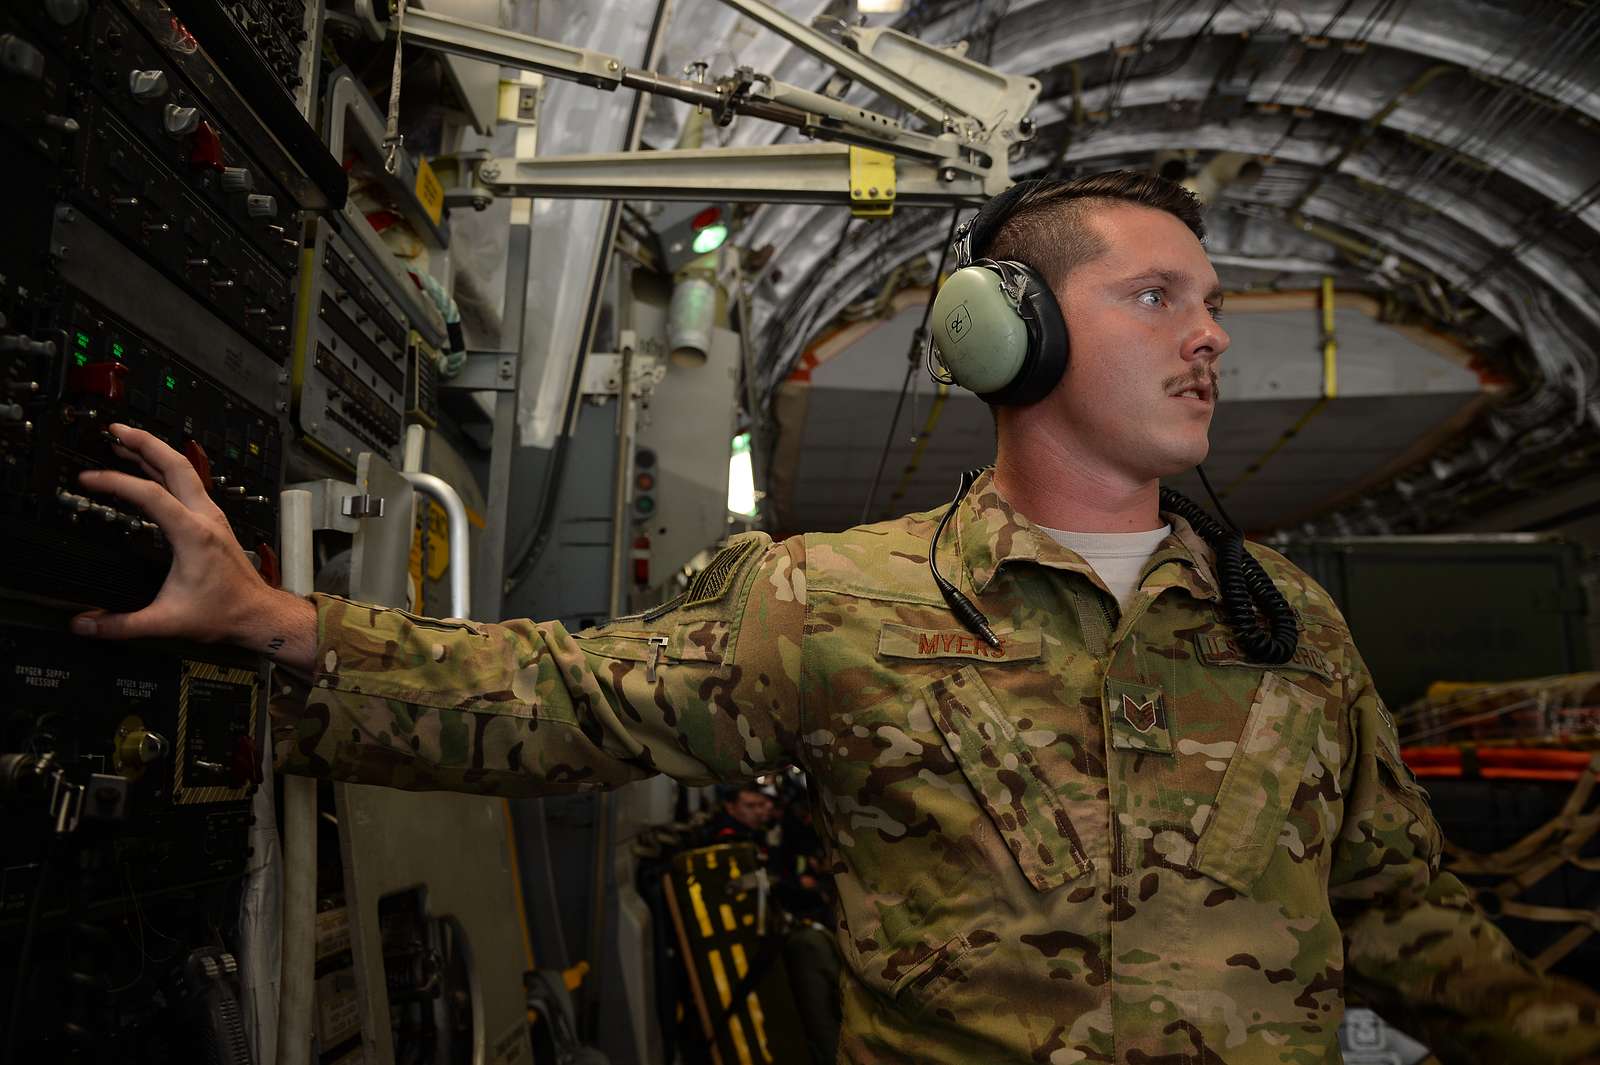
(430, 192)
(871, 183)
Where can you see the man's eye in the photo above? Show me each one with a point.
(1216, 313)
(1153, 296)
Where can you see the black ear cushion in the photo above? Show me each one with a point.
(1047, 340)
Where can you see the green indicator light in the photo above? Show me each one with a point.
(233, 453)
(171, 383)
(83, 340)
(710, 238)
(83, 360)
(116, 350)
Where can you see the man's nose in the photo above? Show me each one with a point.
(1208, 340)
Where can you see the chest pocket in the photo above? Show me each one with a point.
(1259, 786)
(1005, 776)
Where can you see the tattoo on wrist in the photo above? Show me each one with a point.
(275, 645)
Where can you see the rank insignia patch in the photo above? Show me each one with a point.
(1138, 717)
(1142, 716)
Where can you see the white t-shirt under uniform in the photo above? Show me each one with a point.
(1117, 557)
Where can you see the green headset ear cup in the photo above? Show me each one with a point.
(982, 340)
(1007, 353)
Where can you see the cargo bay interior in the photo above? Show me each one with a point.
(521, 308)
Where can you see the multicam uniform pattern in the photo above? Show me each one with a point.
(1113, 839)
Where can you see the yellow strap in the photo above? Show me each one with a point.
(922, 442)
(1330, 389)
(1330, 347)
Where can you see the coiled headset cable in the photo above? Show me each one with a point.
(1248, 594)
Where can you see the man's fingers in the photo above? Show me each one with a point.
(148, 496)
(104, 625)
(175, 471)
(138, 459)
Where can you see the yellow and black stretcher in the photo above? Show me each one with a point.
(730, 944)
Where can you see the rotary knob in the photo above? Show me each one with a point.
(237, 179)
(147, 84)
(138, 748)
(180, 121)
(65, 12)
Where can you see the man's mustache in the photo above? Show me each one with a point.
(1194, 380)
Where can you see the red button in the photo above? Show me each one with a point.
(269, 569)
(100, 380)
(197, 458)
(205, 148)
(246, 767)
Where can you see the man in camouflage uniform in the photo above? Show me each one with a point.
(1112, 838)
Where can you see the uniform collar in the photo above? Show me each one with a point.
(990, 533)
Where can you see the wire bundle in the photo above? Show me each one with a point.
(1248, 594)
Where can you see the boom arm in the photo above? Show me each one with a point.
(979, 113)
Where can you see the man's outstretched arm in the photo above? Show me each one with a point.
(212, 594)
(704, 689)
(1417, 947)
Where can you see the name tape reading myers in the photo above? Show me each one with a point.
(905, 641)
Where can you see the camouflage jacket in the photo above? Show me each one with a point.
(1113, 839)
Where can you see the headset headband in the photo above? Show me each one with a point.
(978, 232)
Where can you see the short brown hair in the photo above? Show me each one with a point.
(1049, 227)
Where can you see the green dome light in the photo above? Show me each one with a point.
(710, 238)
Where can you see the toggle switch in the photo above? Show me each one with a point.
(200, 461)
(20, 58)
(205, 149)
(99, 380)
(26, 345)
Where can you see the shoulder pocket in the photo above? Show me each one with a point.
(1400, 783)
(1259, 786)
(1006, 778)
(689, 641)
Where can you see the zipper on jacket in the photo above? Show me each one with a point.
(657, 645)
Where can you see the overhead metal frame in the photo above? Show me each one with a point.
(978, 114)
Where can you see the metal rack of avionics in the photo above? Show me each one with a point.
(146, 278)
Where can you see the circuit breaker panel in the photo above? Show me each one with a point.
(147, 278)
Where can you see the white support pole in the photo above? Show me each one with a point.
(299, 826)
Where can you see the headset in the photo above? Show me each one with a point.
(998, 330)
(996, 326)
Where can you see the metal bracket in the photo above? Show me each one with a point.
(327, 497)
(66, 801)
(361, 506)
(519, 102)
(871, 183)
(602, 373)
(485, 371)
(769, 173)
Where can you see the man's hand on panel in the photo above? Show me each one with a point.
(212, 594)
